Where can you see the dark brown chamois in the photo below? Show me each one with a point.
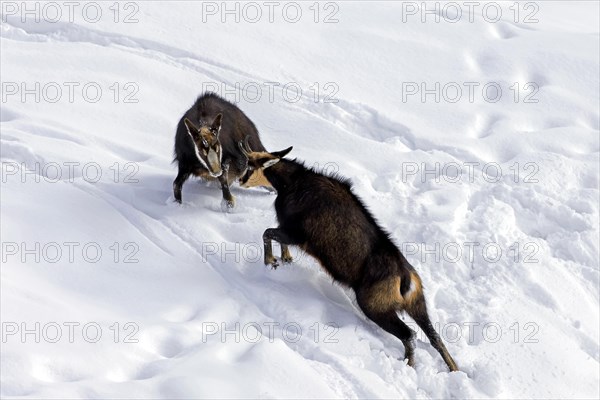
(321, 215)
(206, 143)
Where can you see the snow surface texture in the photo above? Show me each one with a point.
(171, 278)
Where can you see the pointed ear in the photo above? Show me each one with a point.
(192, 130)
(271, 162)
(282, 153)
(216, 125)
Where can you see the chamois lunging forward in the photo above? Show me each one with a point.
(206, 143)
(321, 215)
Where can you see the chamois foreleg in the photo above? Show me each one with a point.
(283, 239)
(224, 180)
(182, 176)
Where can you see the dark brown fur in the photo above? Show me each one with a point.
(321, 215)
(205, 131)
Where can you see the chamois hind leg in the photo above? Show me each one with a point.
(417, 309)
(379, 303)
(178, 183)
(283, 238)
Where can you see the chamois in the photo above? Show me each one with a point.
(322, 216)
(206, 143)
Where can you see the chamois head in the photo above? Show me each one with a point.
(258, 161)
(206, 143)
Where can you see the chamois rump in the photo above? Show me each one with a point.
(321, 215)
(206, 143)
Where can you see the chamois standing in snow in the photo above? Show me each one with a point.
(322, 216)
(206, 143)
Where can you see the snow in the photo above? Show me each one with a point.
(184, 285)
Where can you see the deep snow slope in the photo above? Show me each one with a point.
(471, 133)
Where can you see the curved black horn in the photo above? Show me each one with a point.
(242, 149)
(247, 144)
